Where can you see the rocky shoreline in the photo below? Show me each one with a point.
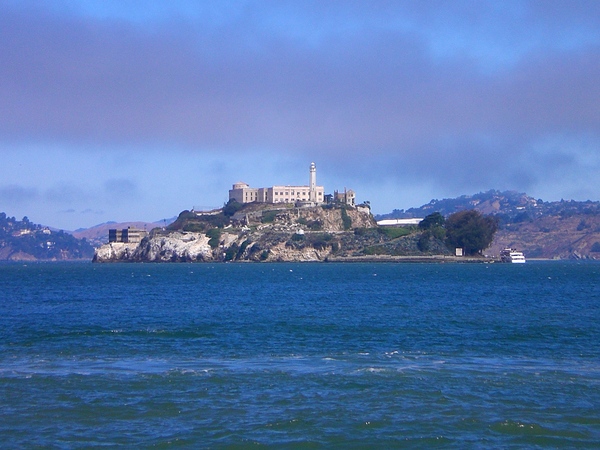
(314, 234)
(413, 259)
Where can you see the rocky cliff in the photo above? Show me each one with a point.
(174, 246)
(251, 233)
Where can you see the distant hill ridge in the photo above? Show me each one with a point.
(98, 234)
(22, 240)
(509, 203)
(509, 206)
(565, 229)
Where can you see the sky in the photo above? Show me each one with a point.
(123, 110)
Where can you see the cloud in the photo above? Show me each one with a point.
(119, 189)
(92, 211)
(460, 95)
(66, 193)
(18, 194)
(113, 81)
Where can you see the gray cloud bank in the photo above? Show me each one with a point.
(407, 99)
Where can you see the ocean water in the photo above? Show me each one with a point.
(300, 355)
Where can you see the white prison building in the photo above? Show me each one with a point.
(312, 193)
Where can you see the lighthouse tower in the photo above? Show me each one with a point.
(312, 195)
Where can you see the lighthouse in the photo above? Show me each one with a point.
(312, 195)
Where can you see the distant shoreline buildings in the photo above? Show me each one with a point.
(303, 195)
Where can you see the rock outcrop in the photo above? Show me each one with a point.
(254, 234)
(114, 251)
(174, 247)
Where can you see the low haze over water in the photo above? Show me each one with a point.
(378, 355)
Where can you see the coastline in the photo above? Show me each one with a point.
(413, 259)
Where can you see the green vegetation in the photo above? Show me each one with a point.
(23, 236)
(596, 247)
(231, 207)
(315, 225)
(395, 232)
(181, 220)
(433, 229)
(434, 220)
(346, 220)
(268, 216)
(470, 230)
(319, 241)
(243, 247)
(582, 225)
(236, 252)
(375, 250)
(231, 252)
(361, 231)
(215, 236)
(424, 244)
(196, 227)
(199, 223)
(190, 221)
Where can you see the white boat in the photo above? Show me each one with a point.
(511, 255)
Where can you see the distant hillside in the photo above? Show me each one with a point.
(509, 204)
(98, 234)
(561, 236)
(564, 229)
(21, 240)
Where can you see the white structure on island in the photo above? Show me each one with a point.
(312, 193)
(312, 185)
(399, 222)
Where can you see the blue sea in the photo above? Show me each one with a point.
(300, 355)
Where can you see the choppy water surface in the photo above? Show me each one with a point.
(300, 355)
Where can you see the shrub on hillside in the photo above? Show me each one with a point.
(231, 207)
(346, 220)
(395, 232)
(215, 236)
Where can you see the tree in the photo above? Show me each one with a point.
(433, 227)
(231, 207)
(470, 230)
(432, 220)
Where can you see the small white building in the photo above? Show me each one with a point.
(399, 222)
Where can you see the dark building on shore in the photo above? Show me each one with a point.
(126, 235)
